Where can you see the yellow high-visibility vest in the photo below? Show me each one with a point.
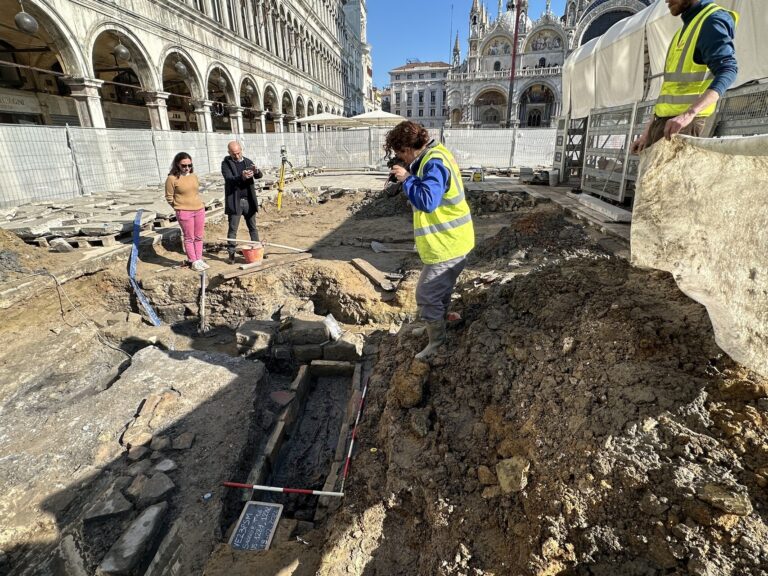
(447, 232)
(684, 80)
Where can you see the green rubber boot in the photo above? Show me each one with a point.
(437, 337)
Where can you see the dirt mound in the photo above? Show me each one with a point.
(582, 421)
(16, 257)
(380, 204)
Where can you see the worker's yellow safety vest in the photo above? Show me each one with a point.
(684, 80)
(447, 232)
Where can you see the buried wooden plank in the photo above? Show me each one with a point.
(374, 274)
(272, 262)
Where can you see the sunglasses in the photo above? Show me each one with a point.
(185, 165)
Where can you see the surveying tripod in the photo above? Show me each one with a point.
(284, 162)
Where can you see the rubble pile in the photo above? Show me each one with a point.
(581, 420)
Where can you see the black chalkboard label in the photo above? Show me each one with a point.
(256, 526)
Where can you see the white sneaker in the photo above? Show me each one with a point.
(205, 265)
(198, 265)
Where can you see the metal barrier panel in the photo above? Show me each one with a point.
(339, 149)
(606, 150)
(168, 144)
(217, 148)
(643, 115)
(743, 112)
(489, 148)
(534, 146)
(35, 164)
(114, 159)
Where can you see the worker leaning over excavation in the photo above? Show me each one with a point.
(442, 223)
(700, 67)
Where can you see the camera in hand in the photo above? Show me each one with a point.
(395, 162)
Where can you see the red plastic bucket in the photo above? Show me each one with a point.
(254, 254)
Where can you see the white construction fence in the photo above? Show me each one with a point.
(40, 163)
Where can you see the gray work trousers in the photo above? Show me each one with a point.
(433, 292)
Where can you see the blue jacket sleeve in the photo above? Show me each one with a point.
(426, 193)
(715, 50)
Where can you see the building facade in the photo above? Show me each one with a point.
(478, 87)
(417, 91)
(208, 65)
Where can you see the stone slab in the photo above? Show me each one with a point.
(348, 348)
(129, 549)
(114, 505)
(305, 353)
(331, 368)
(609, 211)
(699, 213)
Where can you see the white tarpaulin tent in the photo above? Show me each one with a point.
(619, 62)
(582, 79)
(328, 119)
(606, 73)
(378, 118)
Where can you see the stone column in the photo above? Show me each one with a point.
(251, 24)
(203, 113)
(208, 5)
(278, 121)
(292, 124)
(85, 91)
(236, 119)
(224, 5)
(158, 109)
(261, 117)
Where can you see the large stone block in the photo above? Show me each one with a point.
(129, 549)
(256, 336)
(305, 332)
(699, 213)
(348, 348)
(305, 353)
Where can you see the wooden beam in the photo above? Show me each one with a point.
(266, 264)
(374, 274)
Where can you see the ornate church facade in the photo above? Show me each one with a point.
(478, 87)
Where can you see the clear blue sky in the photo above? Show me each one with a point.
(402, 29)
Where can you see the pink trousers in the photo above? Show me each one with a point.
(192, 224)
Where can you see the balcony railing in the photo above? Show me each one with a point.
(504, 74)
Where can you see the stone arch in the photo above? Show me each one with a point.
(140, 60)
(183, 91)
(301, 109)
(215, 70)
(253, 98)
(543, 34)
(496, 45)
(310, 108)
(68, 52)
(286, 104)
(270, 102)
(536, 107)
(195, 79)
(597, 10)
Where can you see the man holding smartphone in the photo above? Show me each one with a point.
(240, 174)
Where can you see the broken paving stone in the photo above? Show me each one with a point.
(134, 490)
(129, 549)
(166, 465)
(282, 397)
(115, 505)
(724, 499)
(139, 467)
(305, 332)
(160, 443)
(137, 452)
(136, 436)
(155, 490)
(184, 441)
(256, 336)
(513, 474)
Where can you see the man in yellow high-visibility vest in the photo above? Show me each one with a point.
(442, 223)
(700, 67)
